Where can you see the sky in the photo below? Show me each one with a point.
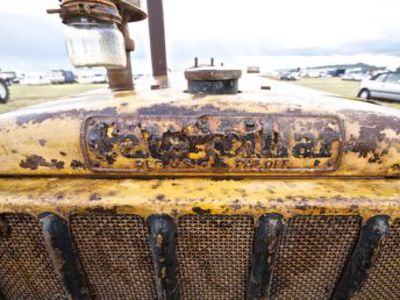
(272, 34)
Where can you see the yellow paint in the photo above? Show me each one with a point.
(66, 196)
(59, 124)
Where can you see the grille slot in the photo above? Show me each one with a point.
(214, 254)
(115, 253)
(312, 254)
(26, 271)
(383, 279)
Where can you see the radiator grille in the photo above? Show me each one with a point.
(383, 280)
(214, 255)
(114, 250)
(26, 271)
(311, 255)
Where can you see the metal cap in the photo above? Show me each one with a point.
(212, 80)
(136, 10)
(212, 73)
(102, 10)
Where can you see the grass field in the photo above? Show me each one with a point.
(24, 95)
(343, 88)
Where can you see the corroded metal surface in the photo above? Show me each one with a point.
(162, 236)
(59, 245)
(157, 37)
(212, 73)
(101, 10)
(311, 255)
(105, 232)
(362, 260)
(229, 144)
(383, 278)
(253, 197)
(26, 270)
(48, 140)
(115, 253)
(214, 254)
(265, 247)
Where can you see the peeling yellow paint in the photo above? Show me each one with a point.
(187, 196)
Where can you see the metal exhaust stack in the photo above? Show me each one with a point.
(157, 37)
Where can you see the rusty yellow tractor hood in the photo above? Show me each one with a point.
(175, 134)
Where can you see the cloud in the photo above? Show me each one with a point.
(223, 28)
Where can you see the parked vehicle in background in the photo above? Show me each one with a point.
(383, 86)
(253, 70)
(337, 72)
(62, 76)
(4, 92)
(87, 78)
(35, 78)
(356, 75)
(292, 76)
(57, 77)
(9, 77)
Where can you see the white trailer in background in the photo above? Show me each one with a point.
(35, 78)
(91, 76)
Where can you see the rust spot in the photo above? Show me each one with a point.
(368, 141)
(35, 161)
(94, 197)
(59, 196)
(395, 167)
(160, 197)
(200, 211)
(102, 210)
(156, 185)
(236, 205)
(76, 164)
(375, 159)
(303, 207)
(259, 205)
(62, 153)
(175, 212)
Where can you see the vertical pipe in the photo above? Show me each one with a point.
(122, 79)
(157, 37)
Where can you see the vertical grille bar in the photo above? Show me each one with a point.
(26, 271)
(383, 279)
(163, 245)
(115, 252)
(266, 241)
(214, 254)
(59, 245)
(362, 258)
(312, 253)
